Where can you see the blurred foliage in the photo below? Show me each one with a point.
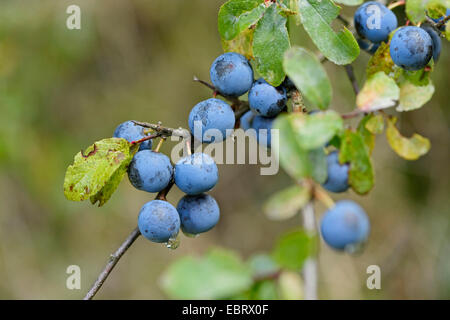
(62, 89)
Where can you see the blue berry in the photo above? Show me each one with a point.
(132, 132)
(437, 44)
(346, 224)
(198, 213)
(265, 99)
(150, 171)
(231, 74)
(264, 124)
(337, 180)
(211, 114)
(247, 119)
(158, 221)
(196, 174)
(411, 48)
(374, 21)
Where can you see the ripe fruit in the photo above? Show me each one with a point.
(196, 173)
(265, 99)
(231, 74)
(411, 48)
(158, 221)
(198, 213)
(265, 125)
(150, 171)
(374, 21)
(247, 119)
(436, 41)
(132, 132)
(211, 114)
(337, 180)
(346, 224)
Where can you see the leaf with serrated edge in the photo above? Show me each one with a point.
(237, 15)
(93, 169)
(286, 203)
(270, 42)
(408, 148)
(340, 48)
(308, 75)
(353, 151)
(379, 92)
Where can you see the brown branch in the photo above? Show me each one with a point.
(352, 78)
(113, 259)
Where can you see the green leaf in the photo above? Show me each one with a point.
(293, 248)
(315, 130)
(286, 203)
(293, 4)
(381, 61)
(350, 2)
(317, 15)
(107, 191)
(293, 159)
(353, 151)
(436, 9)
(447, 30)
(309, 76)
(367, 136)
(416, 9)
(242, 44)
(319, 171)
(407, 148)
(97, 171)
(270, 42)
(217, 275)
(413, 97)
(237, 15)
(379, 92)
(375, 124)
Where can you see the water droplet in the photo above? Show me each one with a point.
(355, 248)
(174, 242)
(190, 235)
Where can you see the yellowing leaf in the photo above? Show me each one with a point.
(375, 124)
(379, 92)
(413, 96)
(95, 168)
(286, 203)
(241, 44)
(407, 148)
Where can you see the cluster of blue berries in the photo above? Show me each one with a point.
(411, 47)
(152, 171)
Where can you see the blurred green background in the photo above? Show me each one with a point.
(61, 90)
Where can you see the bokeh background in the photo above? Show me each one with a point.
(61, 90)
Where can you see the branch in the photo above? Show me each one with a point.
(165, 131)
(115, 257)
(352, 78)
(235, 102)
(310, 275)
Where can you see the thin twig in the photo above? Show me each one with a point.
(352, 78)
(343, 20)
(165, 131)
(310, 276)
(235, 102)
(114, 258)
(353, 114)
